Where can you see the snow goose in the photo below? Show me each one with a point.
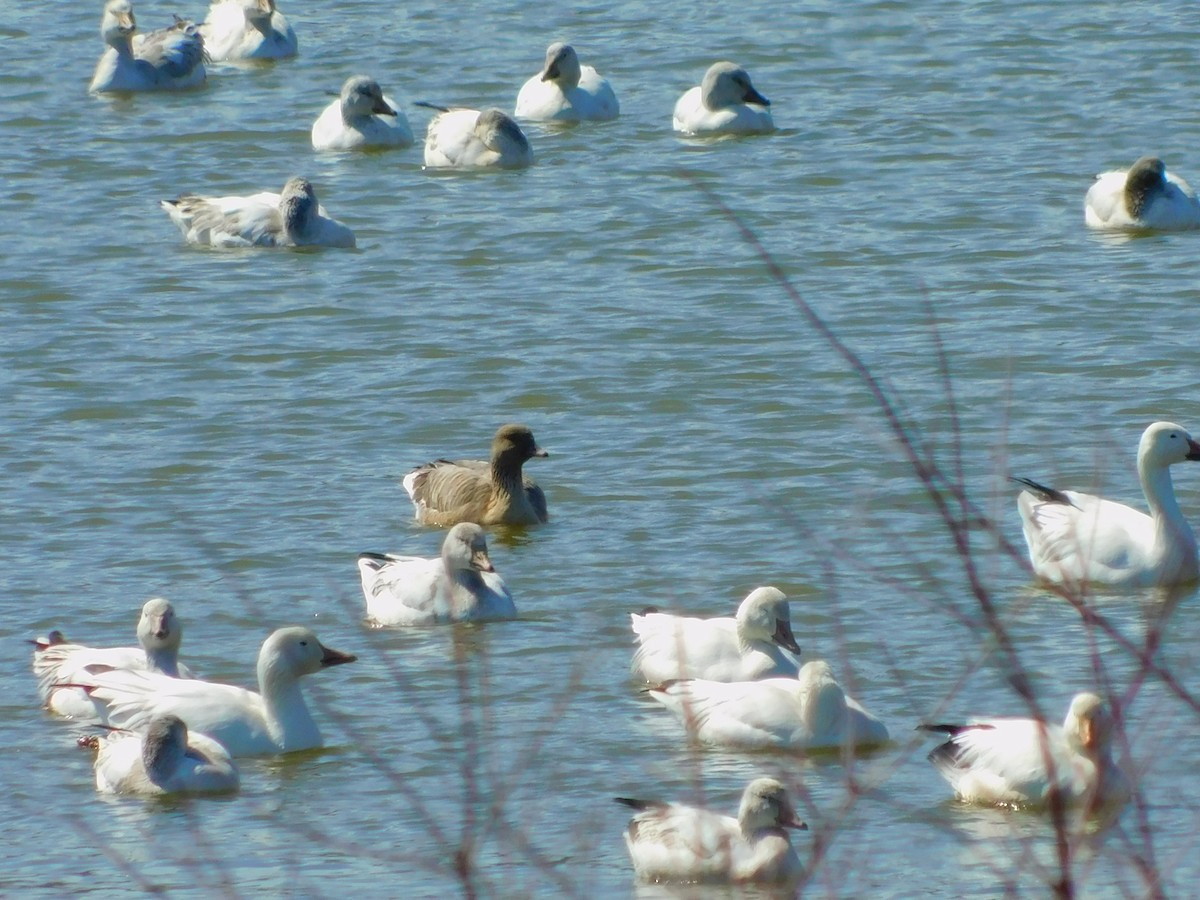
(275, 720)
(165, 759)
(292, 218)
(159, 632)
(1023, 762)
(674, 842)
(725, 102)
(459, 586)
(757, 643)
(565, 91)
(806, 713)
(354, 121)
(247, 29)
(169, 59)
(495, 492)
(1079, 539)
(1144, 196)
(470, 139)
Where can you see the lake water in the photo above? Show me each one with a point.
(229, 429)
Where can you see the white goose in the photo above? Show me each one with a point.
(1079, 539)
(354, 120)
(159, 633)
(168, 59)
(725, 102)
(674, 842)
(1146, 196)
(1023, 762)
(757, 643)
(275, 720)
(460, 586)
(470, 139)
(810, 712)
(247, 29)
(566, 91)
(165, 759)
(292, 218)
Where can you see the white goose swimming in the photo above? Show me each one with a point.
(459, 586)
(1146, 196)
(810, 712)
(355, 120)
(757, 643)
(488, 492)
(566, 91)
(159, 633)
(1079, 539)
(292, 218)
(725, 102)
(275, 720)
(168, 59)
(471, 139)
(165, 759)
(247, 29)
(1023, 762)
(674, 842)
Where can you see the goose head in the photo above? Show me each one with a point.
(500, 134)
(515, 444)
(164, 746)
(118, 25)
(561, 66)
(765, 616)
(257, 12)
(465, 549)
(362, 97)
(1089, 725)
(294, 651)
(822, 701)
(297, 204)
(766, 806)
(1164, 444)
(159, 628)
(1145, 178)
(728, 84)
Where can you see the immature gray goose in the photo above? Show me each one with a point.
(165, 759)
(486, 492)
(168, 59)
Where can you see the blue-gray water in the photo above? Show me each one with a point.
(228, 429)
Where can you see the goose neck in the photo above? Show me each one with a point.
(506, 475)
(164, 660)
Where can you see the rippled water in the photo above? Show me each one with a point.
(228, 429)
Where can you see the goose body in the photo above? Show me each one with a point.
(1022, 762)
(362, 117)
(810, 712)
(159, 634)
(566, 91)
(169, 59)
(725, 102)
(247, 29)
(1077, 539)
(163, 759)
(461, 585)
(673, 842)
(1145, 196)
(292, 218)
(474, 139)
(493, 492)
(276, 719)
(757, 643)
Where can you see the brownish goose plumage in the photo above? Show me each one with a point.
(486, 492)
